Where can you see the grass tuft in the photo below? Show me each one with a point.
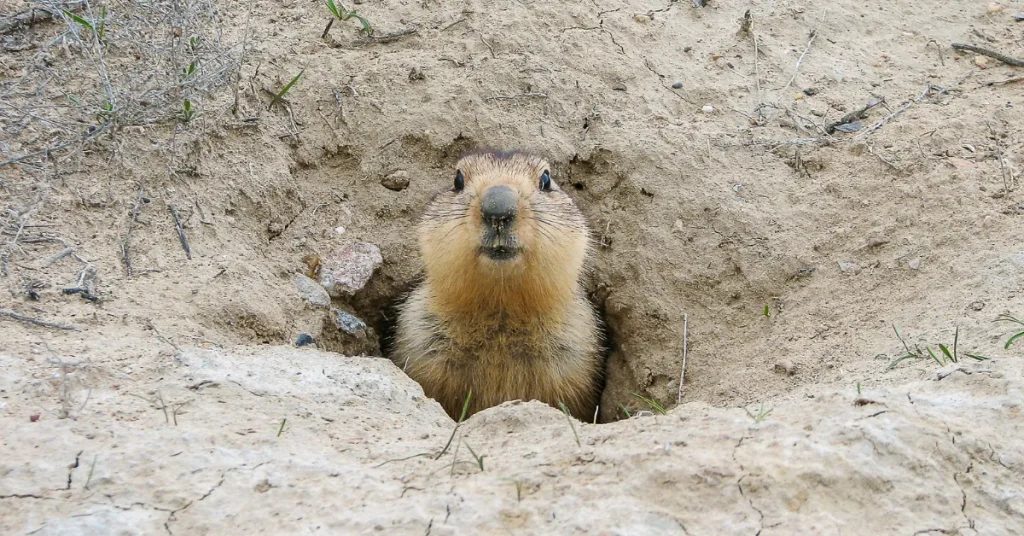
(1006, 317)
(654, 405)
(284, 91)
(943, 358)
(342, 14)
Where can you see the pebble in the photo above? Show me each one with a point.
(1019, 17)
(396, 181)
(977, 305)
(304, 339)
(785, 367)
(347, 271)
(981, 61)
(348, 323)
(707, 108)
(311, 291)
(995, 7)
(848, 267)
(677, 85)
(914, 263)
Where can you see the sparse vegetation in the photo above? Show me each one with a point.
(1006, 317)
(943, 358)
(462, 417)
(760, 415)
(284, 91)
(343, 14)
(654, 405)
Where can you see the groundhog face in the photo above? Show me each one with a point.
(504, 215)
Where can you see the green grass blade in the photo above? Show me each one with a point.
(624, 410)
(956, 338)
(931, 353)
(898, 360)
(280, 95)
(333, 8)
(79, 20)
(654, 405)
(1006, 317)
(571, 425)
(946, 352)
(977, 357)
(1012, 339)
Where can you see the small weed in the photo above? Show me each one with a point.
(385, 462)
(767, 312)
(568, 417)
(465, 409)
(91, 469)
(343, 15)
(288, 86)
(194, 42)
(858, 389)
(945, 356)
(479, 459)
(187, 71)
(654, 405)
(281, 428)
(106, 112)
(1005, 317)
(519, 491)
(188, 112)
(761, 413)
(84, 23)
(624, 410)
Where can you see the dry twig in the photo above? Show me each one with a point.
(35, 321)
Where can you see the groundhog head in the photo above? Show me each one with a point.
(504, 217)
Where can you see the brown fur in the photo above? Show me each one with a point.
(520, 329)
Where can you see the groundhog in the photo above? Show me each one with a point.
(501, 311)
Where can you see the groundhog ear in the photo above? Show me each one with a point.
(460, 180)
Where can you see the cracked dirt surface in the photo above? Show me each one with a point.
(358, 454)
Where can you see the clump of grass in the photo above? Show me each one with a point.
(943, 358)
(343, 15)
(761, 413)
(1005, 317)
(654, 405)
(284, 91)
(97, 29)
(188, 111)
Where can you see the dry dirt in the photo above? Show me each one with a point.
(722, 197)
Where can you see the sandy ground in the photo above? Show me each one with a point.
(728, 187)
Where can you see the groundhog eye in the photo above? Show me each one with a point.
(545, 181)
(460, 180)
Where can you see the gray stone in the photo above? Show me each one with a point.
(346, 271)
(311, 291)
(348, 323)
(849, 267)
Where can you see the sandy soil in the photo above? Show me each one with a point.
(706, 158)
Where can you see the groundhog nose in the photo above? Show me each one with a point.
(498, 204)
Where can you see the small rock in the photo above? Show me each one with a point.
(977, 305)
(707, 108)
(677, 85)
(785, 367)
(348, 323)
(619, 86)
(1019, 17)
(33, 418)
(677, 227)
(981, 61)
(304, 339)
(396, 181)
(347, 271)
(311, 291)
(811, 91)
(848, 267)
(914, 263)
(416, 74)
(995, 7)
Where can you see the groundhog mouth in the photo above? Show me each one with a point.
(499, 247)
